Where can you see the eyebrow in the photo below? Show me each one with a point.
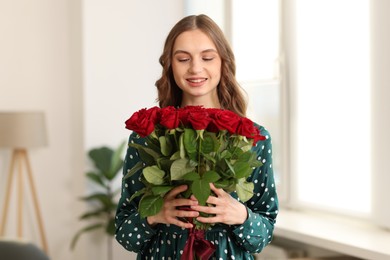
(186, 52)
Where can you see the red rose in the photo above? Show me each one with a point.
(169, 117)
(143, 121)
(224, 120)
(247, 128)
(258, 137)
(198, 117)
(184, 114)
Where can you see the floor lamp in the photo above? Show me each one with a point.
(20, 131)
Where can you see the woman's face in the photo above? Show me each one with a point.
(196, 67)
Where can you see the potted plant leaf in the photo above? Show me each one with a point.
(108, 163)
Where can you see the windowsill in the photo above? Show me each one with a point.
(348, 236)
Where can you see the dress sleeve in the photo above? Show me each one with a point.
(256, 232)
(132, 231)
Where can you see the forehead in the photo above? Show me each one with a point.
(193, 41)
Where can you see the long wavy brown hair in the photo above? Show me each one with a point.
(230, 94)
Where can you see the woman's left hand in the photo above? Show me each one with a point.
(226, 209)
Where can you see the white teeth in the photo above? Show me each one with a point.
(196, 80)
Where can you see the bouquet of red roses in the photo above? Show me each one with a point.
(194, 146)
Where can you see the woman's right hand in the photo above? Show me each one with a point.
(170, 212)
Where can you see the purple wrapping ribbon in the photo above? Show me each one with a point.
(198, 245)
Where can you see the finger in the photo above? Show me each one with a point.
(218, 192)
(212, 200)
(193, 197)
(186, 213)
(183, 202)
(176, 191)
(205, 209)
(185, 225)
(180, 223)
(215, 219)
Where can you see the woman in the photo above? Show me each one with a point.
(199, 69)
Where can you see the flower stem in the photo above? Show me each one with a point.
(200, 159)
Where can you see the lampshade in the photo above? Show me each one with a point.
(22, 129)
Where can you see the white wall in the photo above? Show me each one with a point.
(122, 43)
(380, 94)
(88, 65)
(36, 73)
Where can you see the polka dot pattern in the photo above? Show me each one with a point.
(168, 241)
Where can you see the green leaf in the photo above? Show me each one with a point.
(242, 169)
(179, 168)
(166, 147)
(201, 190)
(223, 140)
(161, 190)
(236, 152)
(153, 143)
(116, 162)
(154, 175)
(155, 154)
(150, 205)
(230, 166)
(210, 158)
(138, 166)
(191, 176)
(104, 199)
(190, 143)
(211, 176)
(245, 146)
(210, 143)
(110, 227)
(244, 189)
(225, 154)
(82, 231)
(228, 185)
(182, 149)
(94, 213)
(255, 163)
(95, 177)
(246, 156)
(187, 193)
(164, 164)
(137, 193)
(102, 158)
(176, 156)
(146, 158)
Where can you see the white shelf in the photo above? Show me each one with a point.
(344, 235)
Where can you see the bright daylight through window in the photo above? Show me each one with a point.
(331, 140)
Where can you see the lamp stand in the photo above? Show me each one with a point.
(18, 156)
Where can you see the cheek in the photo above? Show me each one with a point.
(177, 71)
(216, 76)
(217, 71)
(177, 77)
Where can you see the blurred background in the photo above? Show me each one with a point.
(315, 73)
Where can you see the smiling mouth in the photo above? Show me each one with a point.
(197, 80)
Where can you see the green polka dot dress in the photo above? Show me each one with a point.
(164, 242)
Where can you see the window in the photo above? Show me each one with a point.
(331, 106)
(255, 41)
(252, 26)
(327, 55)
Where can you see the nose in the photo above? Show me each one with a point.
(195, 66)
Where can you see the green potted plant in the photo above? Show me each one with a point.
(108, 163)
